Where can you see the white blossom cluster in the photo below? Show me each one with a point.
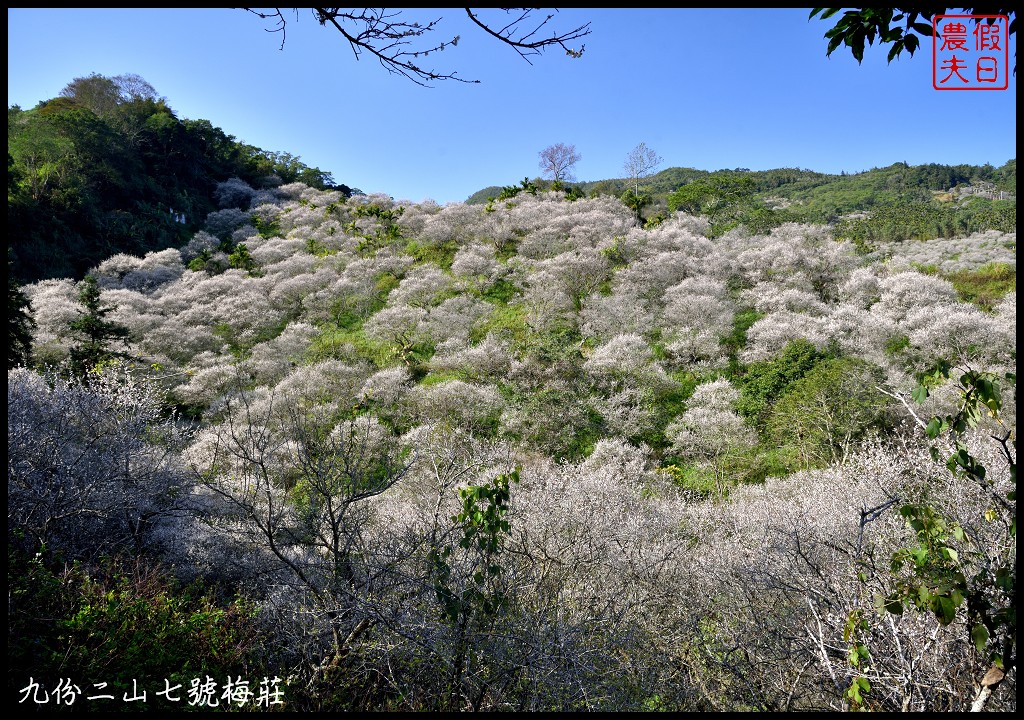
(380, 356)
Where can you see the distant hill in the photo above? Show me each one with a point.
(851, 191)
(897, 202)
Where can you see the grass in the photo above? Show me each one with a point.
(986, 286)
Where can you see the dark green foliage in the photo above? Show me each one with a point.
(19, 324)
(242, 259)
(472, 605)
(121, 622)
(83, 186)
(480, 197)
(760, 219)
(266, 228)
(902, 28)
(490, 195)
(636, 203)
(724, 197)
(896, 345)
(765, 381)
(207, 262)
(501, 292)
(96, 333)
(822, 415)
(925, 220)
(860, 24)
(484, 528)
(385, 231)
(807, 405)
(668, 404)
(736, 340)
(712, 196)
(574, 192)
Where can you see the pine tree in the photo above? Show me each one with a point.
(96, 332)
(19, 323)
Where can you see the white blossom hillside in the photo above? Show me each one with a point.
(534, 455)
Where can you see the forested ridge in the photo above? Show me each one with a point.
(547, 451)
(108, 167)
(894, 203)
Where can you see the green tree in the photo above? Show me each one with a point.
(96, 171)
(127, 621)
(767, 380)
(824, 413)
(242, 259)
(724, 197)
(472, 607)
(96, 333)
(902, 27)
(19, 322)
(713, 195)
(636, 203)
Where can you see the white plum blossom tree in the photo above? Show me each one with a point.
(710, 430)
(93, 467)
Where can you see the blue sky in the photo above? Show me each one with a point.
(708, 89)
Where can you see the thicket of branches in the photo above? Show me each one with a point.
(527, 456)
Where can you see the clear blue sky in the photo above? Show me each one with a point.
(708, 89)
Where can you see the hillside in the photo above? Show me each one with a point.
(892, 203)
(108, 167)
(534, 454)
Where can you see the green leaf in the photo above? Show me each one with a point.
(857, 48)
(979, 633)
(944, 609)
(919, 393)
(924, 28)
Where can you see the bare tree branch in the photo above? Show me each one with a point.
(523, 44)
(384, 36)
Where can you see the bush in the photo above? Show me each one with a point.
(767, 380)
(127, 624)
